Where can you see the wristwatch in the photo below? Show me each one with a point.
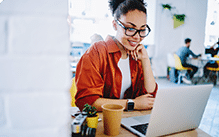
(130, 105)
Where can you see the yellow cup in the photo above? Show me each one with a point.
(92, 122)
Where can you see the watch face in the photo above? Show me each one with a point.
(131, 106)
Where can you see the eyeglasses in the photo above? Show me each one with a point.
(131, 31)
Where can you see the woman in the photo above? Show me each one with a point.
(118, 68)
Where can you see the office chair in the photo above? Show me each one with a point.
(182, 70)
(73, 91)
(214, 79)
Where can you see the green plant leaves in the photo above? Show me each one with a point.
(180, 17)
(167, 6)
(91, 110)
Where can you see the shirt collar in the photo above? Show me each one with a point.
(111, 44)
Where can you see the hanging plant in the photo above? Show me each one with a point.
(178, 20)
(180, 17)
(167, 6)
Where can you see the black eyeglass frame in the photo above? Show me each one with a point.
(137, 31)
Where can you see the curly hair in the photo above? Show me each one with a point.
(122, 7)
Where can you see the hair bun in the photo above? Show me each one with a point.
(113, 4)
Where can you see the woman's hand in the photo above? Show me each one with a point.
(139, 52)
(144, 102)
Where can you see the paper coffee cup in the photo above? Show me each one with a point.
(112, 115)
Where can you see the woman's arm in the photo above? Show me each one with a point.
(141, 103)
(149, 81)
(214, 45)
(100, 101)
(88, 78)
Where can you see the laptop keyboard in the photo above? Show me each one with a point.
(141, 128)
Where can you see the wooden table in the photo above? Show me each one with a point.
(125, 133)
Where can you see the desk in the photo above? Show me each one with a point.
(209, 58)
(125, 133)
(204, 59)
(200, 62)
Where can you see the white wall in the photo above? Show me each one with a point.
(168, 40)
(34, 69)
(212, 33)
(151, 14)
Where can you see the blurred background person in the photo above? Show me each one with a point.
(213, 50)
(183, 53)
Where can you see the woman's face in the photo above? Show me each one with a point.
(133, 19)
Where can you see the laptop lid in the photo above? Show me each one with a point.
(175, 109)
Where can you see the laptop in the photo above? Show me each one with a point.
(175, 109)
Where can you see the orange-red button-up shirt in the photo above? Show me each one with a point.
(98, 75)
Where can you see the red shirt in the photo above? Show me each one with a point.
(98, 75)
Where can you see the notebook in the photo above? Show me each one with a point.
(175, 109)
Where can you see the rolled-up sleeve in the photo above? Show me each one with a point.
(88, 78)
(88, 99)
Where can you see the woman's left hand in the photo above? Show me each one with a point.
(139, 53)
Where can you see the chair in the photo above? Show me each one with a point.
(73, 91)
(182, 70)
(214, 70)
(170, 66)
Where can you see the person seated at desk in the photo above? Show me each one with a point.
(118, 69)
(213, 51)
(183, 53)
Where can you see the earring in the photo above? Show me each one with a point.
(114, 25)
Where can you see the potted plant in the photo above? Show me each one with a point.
(167, 6)
(92, 115)
(178, 19)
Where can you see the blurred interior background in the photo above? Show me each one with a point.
(42, 41)
(87, 17)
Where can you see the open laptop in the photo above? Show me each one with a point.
(175, 109)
